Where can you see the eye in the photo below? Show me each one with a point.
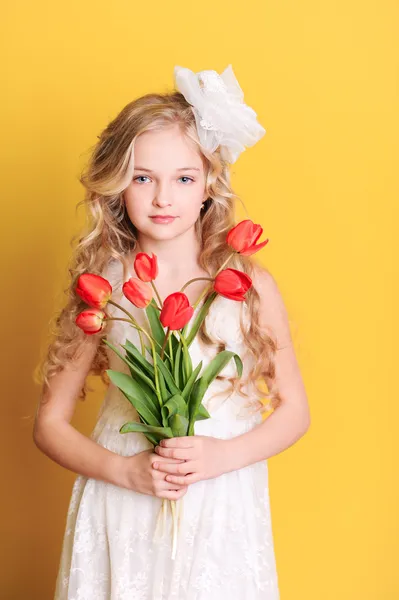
(145, 177)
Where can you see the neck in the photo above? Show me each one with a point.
(178, 255)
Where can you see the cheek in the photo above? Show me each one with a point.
(135, 205)
(191, 205)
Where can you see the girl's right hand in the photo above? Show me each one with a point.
(141, 477)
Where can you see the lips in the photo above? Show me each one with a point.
(162, 219)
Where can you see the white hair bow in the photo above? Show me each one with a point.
(221, 116)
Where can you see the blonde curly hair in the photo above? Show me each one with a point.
(109, 234)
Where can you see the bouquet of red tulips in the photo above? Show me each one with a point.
(166, 392)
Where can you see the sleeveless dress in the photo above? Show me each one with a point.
(225, 541)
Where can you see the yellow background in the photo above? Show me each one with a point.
(323, 79)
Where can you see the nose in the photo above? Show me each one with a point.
(163, 195)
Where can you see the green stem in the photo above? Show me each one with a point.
(157, 294)
(225, 262)
(154, 358)
(206, 290)
(165, 341)
(137, 327)
(167, 337)
(212, 279)
(140, 329)
(185, 354)
(172, 362)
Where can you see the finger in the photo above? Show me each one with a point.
(169, 460)
(182, 453)
(162, 485)
(158, 474)
(171, 494)
(183, 479)
(185, 441)
(175, 469)
(168, 485)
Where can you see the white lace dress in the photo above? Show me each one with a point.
(225, 544)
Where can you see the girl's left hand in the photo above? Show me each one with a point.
(206, 457)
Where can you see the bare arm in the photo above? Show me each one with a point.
(291, 419)
(59, 440)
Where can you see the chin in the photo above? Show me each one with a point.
(163, 232)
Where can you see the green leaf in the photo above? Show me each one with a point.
(202, 384)
(134, 369)
(175, 340)
(136, 396)
(135, 427)
(179, 425)
(168, 376)
(182, 374)
(194, 403)
(239, 364)
(157, 330)
(186, 357)
(153, 438)
(175, 405)
(218, 363)
(170, 382)
(135, 356)
(177, 366)
(162, 387)
(189, 385)
(202, 413)
(200, 317)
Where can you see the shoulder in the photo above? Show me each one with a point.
(273, 313)
(113, 272)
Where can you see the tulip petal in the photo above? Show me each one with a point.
(254, 249)
(232, 284)
(146, 266)
(243, 237)
(91, 320)
(176, 311)
(93, 289)
(137, 292)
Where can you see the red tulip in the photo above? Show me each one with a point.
(94, 289)
(146, 267)
(176, 311)
(232, 284)
(243, 237)
(137, 292)
(91, 320)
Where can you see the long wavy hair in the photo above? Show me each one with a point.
(109, 234)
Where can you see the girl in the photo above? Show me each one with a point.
(169, 155)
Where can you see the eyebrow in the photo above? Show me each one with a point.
(181, 169)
